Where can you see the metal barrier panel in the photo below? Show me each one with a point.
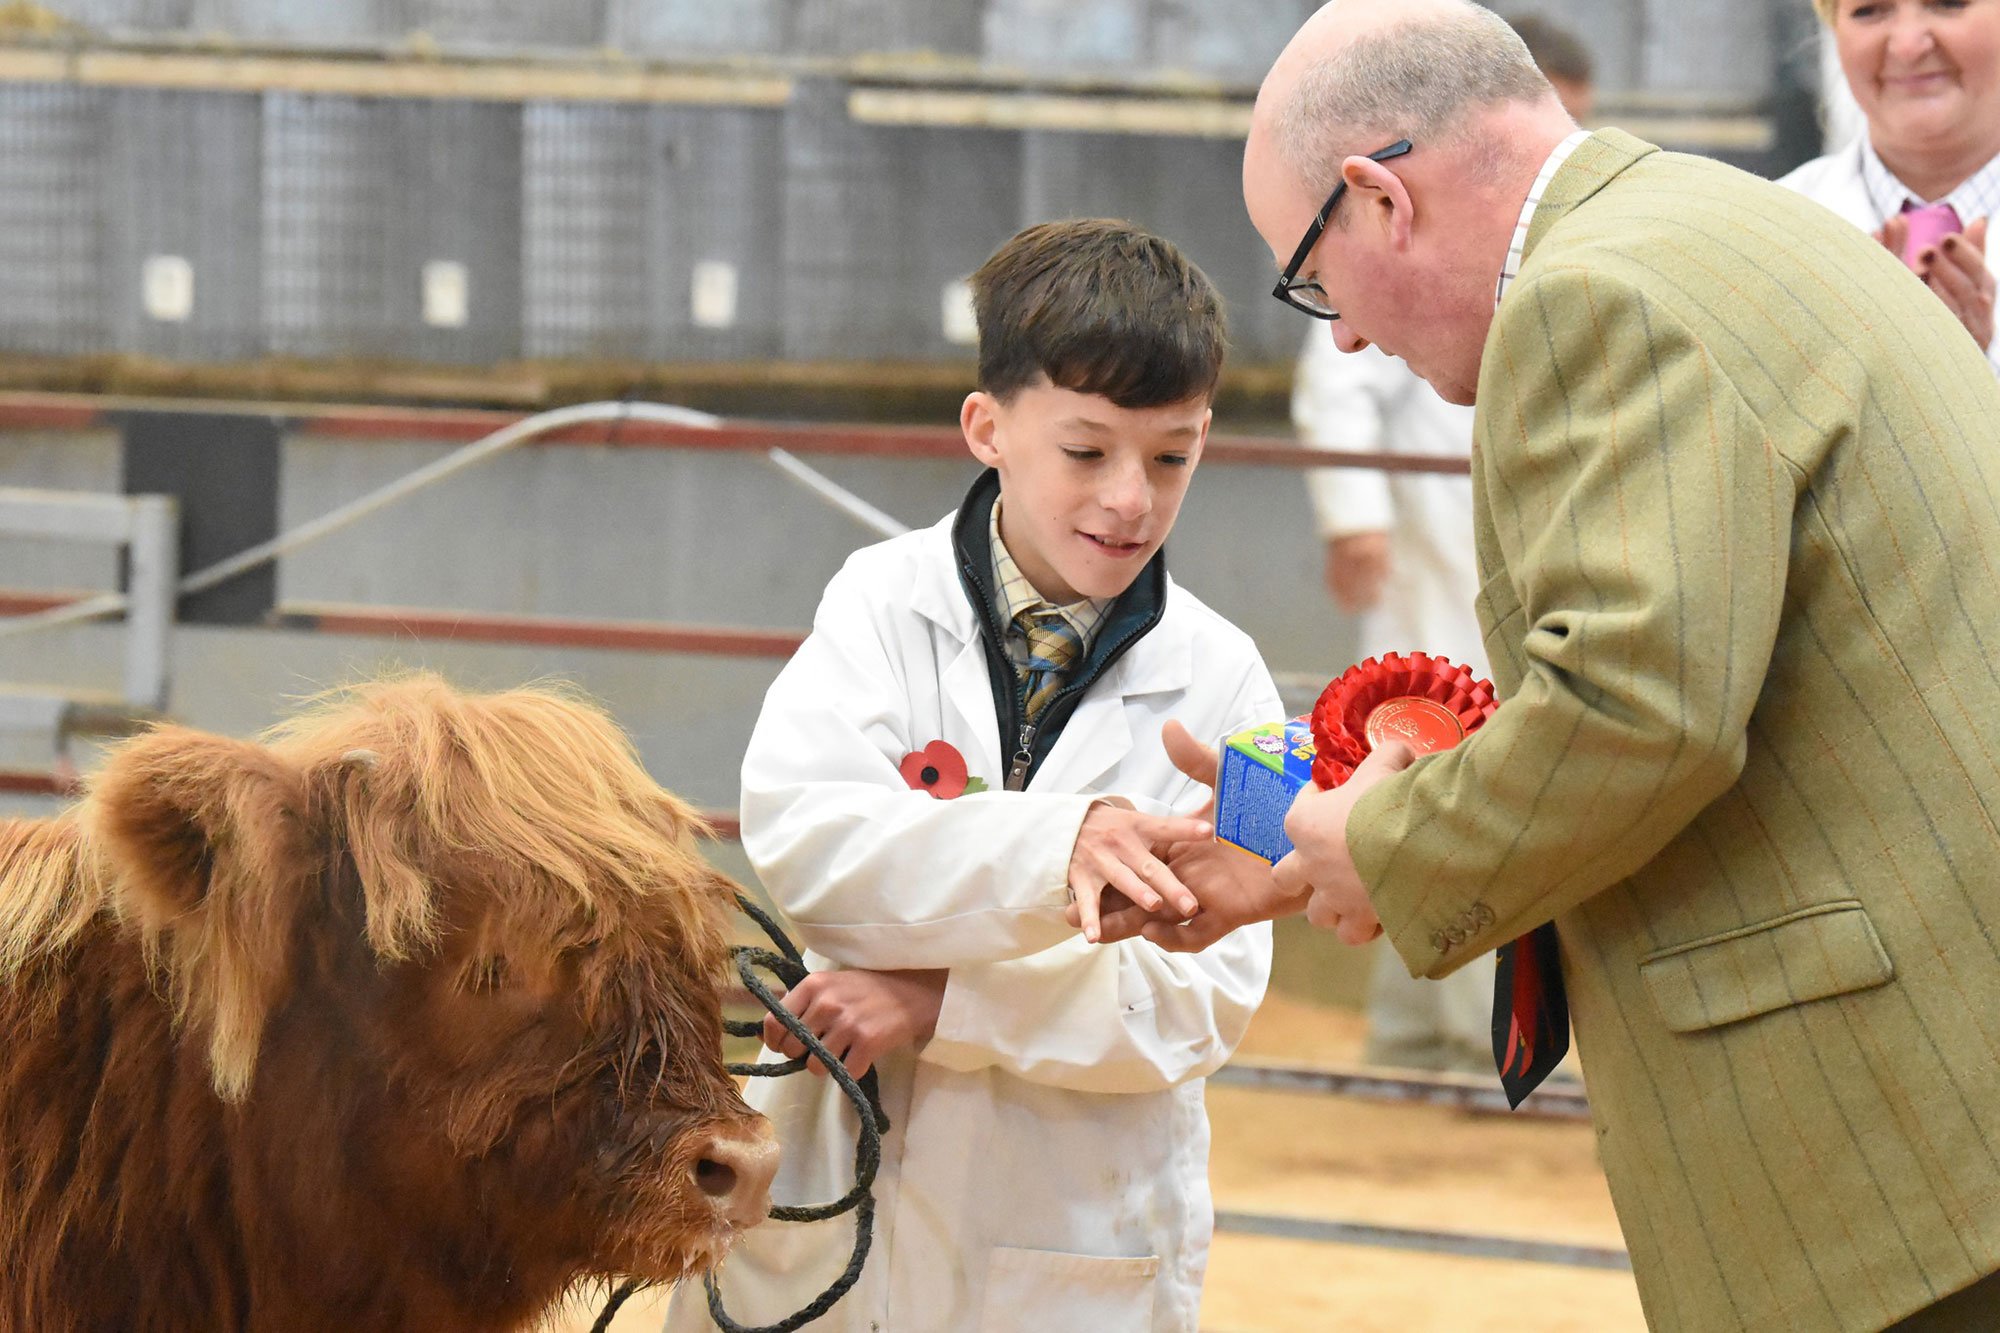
(879, 223)
(66, 461)
(458, 193)
(303, 22)
(716, 233)
(681, 28)
(1042, 35)
(508, 24)
(182, 224)
(1236, 42)
(51, 193)
(1182, 189)
(391, 228)
(852, 27)
(584, 193)
(1708, 46)
(125, 15)
(329, 202)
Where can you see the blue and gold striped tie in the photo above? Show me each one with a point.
(1053, 647)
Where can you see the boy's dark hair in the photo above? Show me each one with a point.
(1098, 307)
(1556, 51)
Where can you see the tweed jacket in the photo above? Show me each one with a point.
(1738, 520)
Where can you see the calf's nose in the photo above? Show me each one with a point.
(735, 1170)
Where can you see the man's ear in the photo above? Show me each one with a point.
(1381, 198)
(979, 422)
(206, 844)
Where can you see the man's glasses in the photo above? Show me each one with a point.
(1308, 295)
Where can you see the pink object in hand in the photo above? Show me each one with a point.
(1928, 226)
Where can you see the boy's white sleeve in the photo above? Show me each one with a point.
(1343, 401)
(872, 873)
(1117, 1018)
(1125, 1017)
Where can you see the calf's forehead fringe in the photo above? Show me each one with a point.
(535, 785)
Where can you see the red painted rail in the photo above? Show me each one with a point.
(57, 411)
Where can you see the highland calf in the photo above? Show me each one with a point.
(407, 1017)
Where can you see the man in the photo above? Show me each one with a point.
(1399, 555)
(1737, 504)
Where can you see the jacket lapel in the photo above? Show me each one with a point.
(971, 718)
(971, 721)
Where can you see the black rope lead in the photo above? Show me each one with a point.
(789, 967)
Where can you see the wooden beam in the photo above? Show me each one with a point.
(1207, 118)
(456, 79)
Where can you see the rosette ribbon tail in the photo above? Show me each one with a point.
(1530, 1012)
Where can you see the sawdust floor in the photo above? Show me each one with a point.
(1392, 1165)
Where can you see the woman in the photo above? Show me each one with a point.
(1926, 74)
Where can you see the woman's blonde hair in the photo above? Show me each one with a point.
(1825, 8)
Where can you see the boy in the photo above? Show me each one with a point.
(969, 738)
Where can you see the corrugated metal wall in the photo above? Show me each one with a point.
(212, 226)
(880, 219)
(52, 188)
(188, 170)
(626, 211)
(1169, 186)
(1718, 46)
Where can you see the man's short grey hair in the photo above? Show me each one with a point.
(1417, 81)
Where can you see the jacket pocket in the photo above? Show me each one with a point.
(1811, 954)
(1050, 1291)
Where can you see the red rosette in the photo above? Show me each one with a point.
(1424, 701)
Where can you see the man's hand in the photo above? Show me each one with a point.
(1118, 848)
(861, 1016)
(1319, 863)
(1235, 889)
(1357, 565)
(1956, 270)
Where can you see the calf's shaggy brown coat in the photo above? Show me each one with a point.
(405, 1017)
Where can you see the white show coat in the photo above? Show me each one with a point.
(1368, 401)
(1836, 181)
(1047, 1168)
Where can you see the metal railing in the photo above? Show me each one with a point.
(147, 529)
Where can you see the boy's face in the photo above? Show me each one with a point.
(1091, 489)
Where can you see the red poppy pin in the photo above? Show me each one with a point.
(939, 769)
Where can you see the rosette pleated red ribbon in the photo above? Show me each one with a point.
(1432, 704)
(1340, 720)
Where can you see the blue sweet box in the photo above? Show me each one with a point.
(1262, 769)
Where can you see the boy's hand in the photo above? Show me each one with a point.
(1235, 889)
(1115, 850)
(1193, 759)
(861, 1016)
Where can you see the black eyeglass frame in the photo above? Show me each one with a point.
(1288, 282)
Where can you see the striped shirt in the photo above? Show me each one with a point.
(1013, 594)
(1520, 241)
(1978, 196)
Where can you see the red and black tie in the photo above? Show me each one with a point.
(1530, 1012)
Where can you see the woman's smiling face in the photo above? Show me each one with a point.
(1926, 72)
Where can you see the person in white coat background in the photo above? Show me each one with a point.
(1398, 551)
(1926, 75)
(971, 736)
